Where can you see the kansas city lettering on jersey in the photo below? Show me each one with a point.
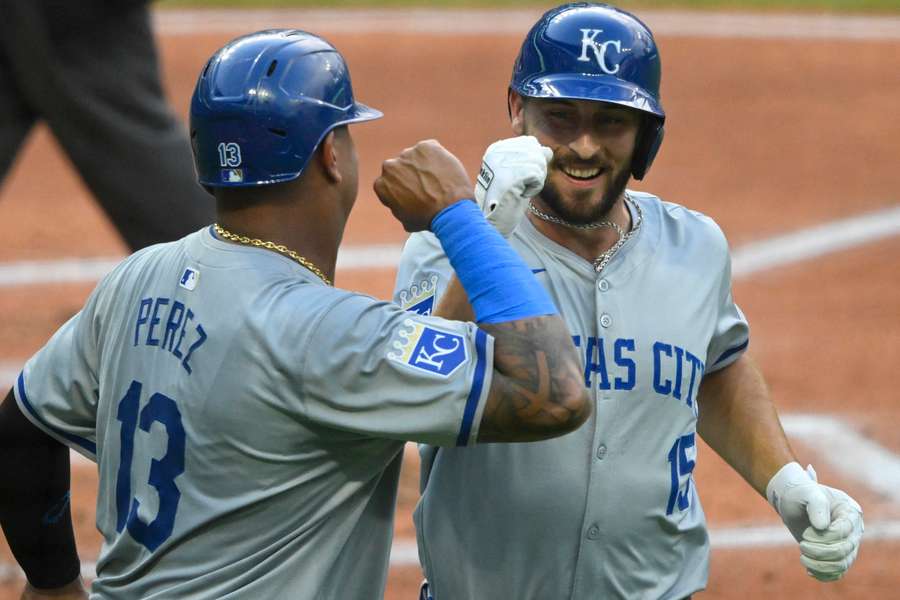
(169, 325)
(613, 365)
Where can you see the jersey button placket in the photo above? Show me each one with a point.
(593, 532)
(603, 287)
(601, 452)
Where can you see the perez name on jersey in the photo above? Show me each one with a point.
(169, 325)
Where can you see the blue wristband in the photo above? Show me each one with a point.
(499, 284)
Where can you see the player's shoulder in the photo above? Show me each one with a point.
(680, 223)
(313, 301)
(133, 266)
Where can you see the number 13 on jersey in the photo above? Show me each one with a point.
(160, 409)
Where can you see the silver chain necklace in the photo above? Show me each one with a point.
(603, 259)
(588, 226)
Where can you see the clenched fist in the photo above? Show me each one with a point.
(420, 183)
(826, 522)
(512, 172)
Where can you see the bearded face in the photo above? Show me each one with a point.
(592, 145)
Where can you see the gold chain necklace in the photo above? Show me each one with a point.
(257, 243)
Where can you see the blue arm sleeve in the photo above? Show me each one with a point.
(499, 284)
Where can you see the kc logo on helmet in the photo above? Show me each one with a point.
(589, 41)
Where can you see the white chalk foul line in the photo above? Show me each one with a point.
(9, 370)
(517, 22)
(64, 270)
(769, 536)
(854, 455)
(815, 241)
(405, 554)
(90, 270)
(746, 260)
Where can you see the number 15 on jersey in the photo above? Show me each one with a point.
(681, 467)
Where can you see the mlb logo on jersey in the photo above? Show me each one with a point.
(189, 279)
(429, 349)
(420, 298)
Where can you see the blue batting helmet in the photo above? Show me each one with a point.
(584, 51)
(264, 102)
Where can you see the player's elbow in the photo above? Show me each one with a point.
(582, 409)
(568, 408)
(538, 388)
(558, 414)
(520, 413)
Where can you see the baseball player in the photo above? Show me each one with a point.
(246, 417)
(610, 511)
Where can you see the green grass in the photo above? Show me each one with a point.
(880, 6)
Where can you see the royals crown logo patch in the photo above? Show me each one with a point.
(419, 298)
(428, 348)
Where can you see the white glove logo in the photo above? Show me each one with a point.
(485, 176)
(512, 172)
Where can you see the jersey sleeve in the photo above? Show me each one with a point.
(375, 369)
(58, 388)
(423, 274)
(731, 336)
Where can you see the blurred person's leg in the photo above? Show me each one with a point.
(99, 90)
(16, 119)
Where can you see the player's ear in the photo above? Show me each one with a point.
(328, 157)
(516, 105)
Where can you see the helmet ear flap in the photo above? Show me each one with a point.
(649, 140)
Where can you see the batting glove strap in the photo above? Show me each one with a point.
(512, 172)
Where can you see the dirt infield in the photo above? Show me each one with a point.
(764, 135)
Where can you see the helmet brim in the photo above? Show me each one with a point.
(358, 113)
(599, 88)
(361, 113)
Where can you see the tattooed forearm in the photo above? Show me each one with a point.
(538, 389)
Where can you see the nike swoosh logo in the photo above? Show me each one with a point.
(56, 511)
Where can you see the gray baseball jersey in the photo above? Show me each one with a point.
(248, 420)
(610, 510)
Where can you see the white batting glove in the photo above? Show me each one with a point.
(512, 172)
(826, 521)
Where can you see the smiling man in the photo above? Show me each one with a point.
(609, 511)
